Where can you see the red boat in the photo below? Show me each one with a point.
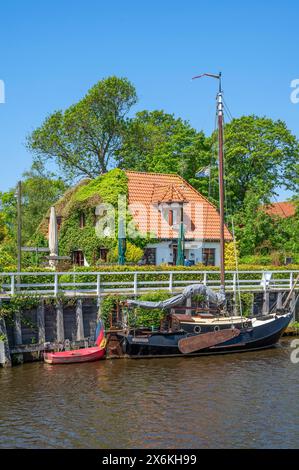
(81, 355)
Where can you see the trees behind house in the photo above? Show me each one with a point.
(83, 139)
(96, 134)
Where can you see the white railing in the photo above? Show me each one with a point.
(84, 283)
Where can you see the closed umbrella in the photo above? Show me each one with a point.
(181, 246)
(122, 242)
(53, 236)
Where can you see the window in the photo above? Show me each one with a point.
(78, 257)
(149, 256)
(208, 256)
(103, 252)
(59, 221)
(82, 220)
(170, 217)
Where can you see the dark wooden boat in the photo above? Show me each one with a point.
(197, 336)
(217, 332)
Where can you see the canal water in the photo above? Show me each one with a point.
(248, 400)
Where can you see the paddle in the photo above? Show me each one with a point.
(206, 340)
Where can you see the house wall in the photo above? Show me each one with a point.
(193, 251)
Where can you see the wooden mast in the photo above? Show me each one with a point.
(221, 172)
(221, 181)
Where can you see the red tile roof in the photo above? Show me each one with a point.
(147, 190)
(280, 209)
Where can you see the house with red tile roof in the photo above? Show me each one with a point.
(280, 209)
(158, 202)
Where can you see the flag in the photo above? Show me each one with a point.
(204, 172)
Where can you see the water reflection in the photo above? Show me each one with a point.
(242, 400)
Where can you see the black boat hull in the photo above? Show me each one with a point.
(161, 344)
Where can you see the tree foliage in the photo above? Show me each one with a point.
(158, 142)
(83, 139)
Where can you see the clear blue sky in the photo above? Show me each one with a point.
(53, 51)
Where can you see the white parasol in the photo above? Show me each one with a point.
(53, 236)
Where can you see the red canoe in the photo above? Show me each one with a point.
(81, 355)
(77, 355)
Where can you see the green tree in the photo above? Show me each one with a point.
(83, 139)
(38, 194)
(260, 156)
(158, 142)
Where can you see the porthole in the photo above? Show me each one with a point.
(197, 329)
(216, 328)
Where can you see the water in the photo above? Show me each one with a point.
(240, 401)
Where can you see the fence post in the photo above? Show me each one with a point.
(170, 281)
(98, 285)
(135, 284)
(291, 280)
(55, 284)
(12, 285)
(205, 277)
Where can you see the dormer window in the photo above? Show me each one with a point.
(82, 220)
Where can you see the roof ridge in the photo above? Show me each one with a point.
(152, 173)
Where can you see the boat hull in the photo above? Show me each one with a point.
(75, 356)
(160, 344)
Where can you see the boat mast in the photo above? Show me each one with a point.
(221, 172)
(221, 181)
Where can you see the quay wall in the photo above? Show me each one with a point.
(55, 326)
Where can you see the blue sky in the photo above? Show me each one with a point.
(53, 51)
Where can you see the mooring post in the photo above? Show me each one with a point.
(266, 303)
(5, 359)
(17, 328)
(188, 304)
(59, 323)
(41, 322)
(279, 300)
(293, 305)
(79, 320)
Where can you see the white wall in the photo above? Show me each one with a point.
(164, 252)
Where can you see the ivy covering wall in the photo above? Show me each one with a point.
(81, 203)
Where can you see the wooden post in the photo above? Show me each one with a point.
(5, 359)
(41, 322)
(293, 305)
(266, 302)
(279, 300)
(17, 328)
(59, 323)
(188, 304)
(79, 321)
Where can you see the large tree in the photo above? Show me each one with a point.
(158, 142)
(83, 139)
(260, 156)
